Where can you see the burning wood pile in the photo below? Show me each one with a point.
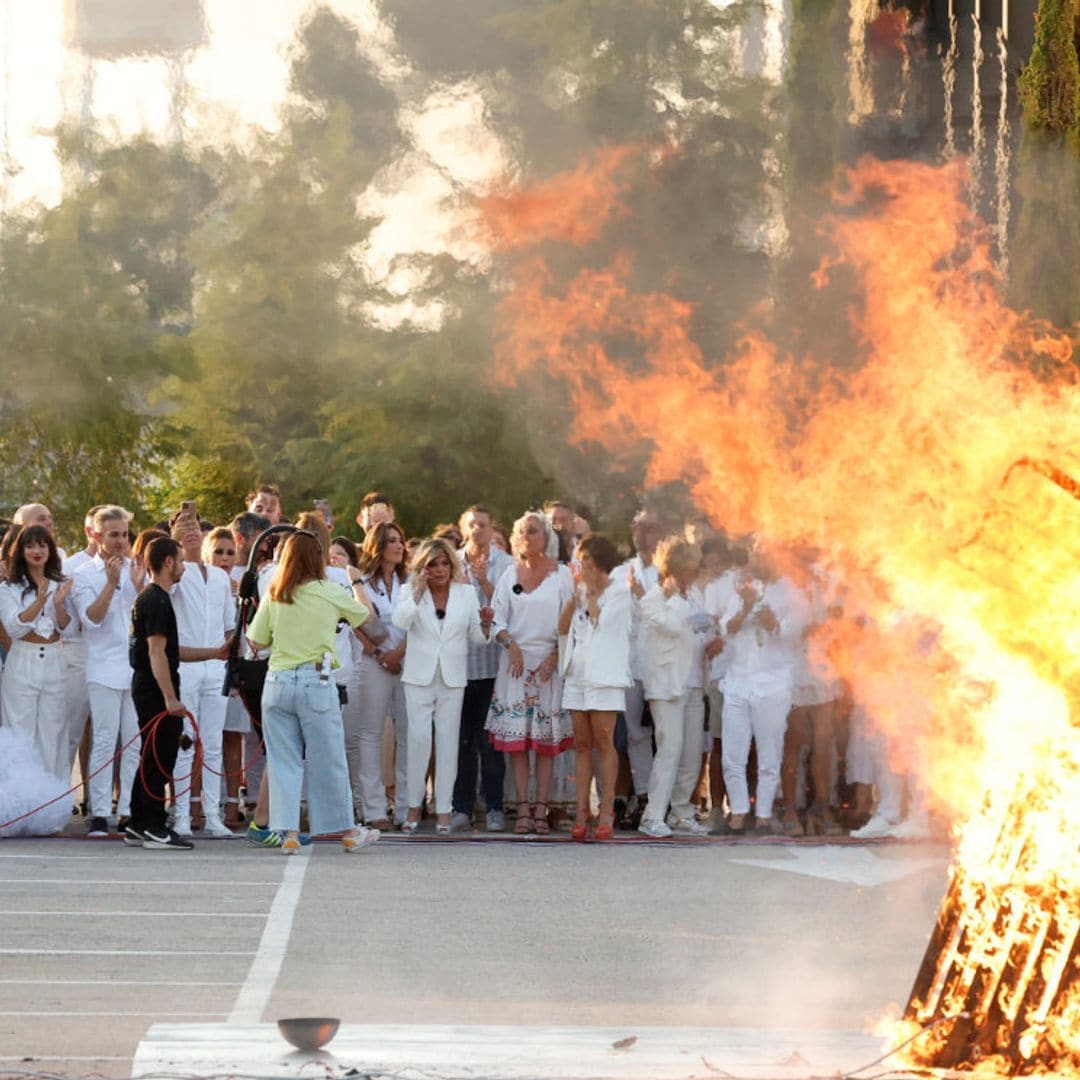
(938, 468)
(1000, 982)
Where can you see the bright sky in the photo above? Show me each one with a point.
(235, 86)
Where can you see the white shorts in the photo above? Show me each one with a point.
(586, 697)
(236, 716)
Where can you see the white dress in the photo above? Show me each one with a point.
(24, 784)
(526, 713)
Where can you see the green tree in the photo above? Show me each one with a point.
(1050, 82)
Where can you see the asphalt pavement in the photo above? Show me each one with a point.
(99, 943)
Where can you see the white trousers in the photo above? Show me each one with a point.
(762, 717)
(32, 698)
(114, 722)
(678, 724)
(435, 705)
(375, 694)
(638, 738)
(200, 691)
(868, 763)
(76, 695)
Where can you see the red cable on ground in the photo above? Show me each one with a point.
(151, 729)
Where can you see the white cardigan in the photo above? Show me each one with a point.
(435, 642)
(603, 650)
(669, 644)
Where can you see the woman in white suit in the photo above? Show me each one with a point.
(594, 660)
(670, 654)
(441, 614)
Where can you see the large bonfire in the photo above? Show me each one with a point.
(938, 475)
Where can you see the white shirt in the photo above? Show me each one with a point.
(600, 655)
(343, 643)
(531, 618)
(17, 597)
(385, 601)
(762, 662)
(73, 563)
(669, 638)
(205, 610)
(106, 642)
(647, 577)
(719, 594)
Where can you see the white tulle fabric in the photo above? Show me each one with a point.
(24, 784)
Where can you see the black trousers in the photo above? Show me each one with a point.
(473, 743)
(157, 760)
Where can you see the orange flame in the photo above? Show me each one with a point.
(929, 473)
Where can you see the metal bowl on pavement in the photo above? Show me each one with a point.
(309, 1032)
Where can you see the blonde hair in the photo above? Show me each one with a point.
(674, 554)
(211, 538)
(517, 534)
(315, 524)
(429, 550)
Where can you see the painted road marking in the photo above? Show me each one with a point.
(851, 866)
(265, 968)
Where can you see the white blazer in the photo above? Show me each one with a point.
(603, 650)
(439, 643)
(669, 644)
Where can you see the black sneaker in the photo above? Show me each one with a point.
(165, 840)
(98, 827)
(133, 837)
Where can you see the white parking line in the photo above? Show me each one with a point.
(196, 882)
(33, 1012)
(171, 983)
(122, 952)
(82, 914)
(59, 1057)
(259, 985)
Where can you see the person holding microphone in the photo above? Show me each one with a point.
(441, 614)
(301, 711)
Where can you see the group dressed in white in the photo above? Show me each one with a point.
(434, 683)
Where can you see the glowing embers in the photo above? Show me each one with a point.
(1000, 983)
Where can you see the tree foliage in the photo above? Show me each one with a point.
(1050, 82)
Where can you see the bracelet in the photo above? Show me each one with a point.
(508, 643)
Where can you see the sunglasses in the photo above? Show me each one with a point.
(224, 551)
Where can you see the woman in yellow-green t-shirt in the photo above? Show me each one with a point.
(300, 710)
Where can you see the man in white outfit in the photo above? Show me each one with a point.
(647, 531)
(205, 617)
(763, 627)
(104, 590)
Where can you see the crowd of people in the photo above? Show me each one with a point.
(271, 677)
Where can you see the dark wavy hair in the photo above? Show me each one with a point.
(371, 554)
(17, 568)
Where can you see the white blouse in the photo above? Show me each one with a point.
(532, 618)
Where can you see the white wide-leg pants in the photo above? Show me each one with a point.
(435, 705)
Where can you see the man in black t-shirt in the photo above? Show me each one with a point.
(155, 654)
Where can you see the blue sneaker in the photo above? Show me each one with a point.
(266, 837)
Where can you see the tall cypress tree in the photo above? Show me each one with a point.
(1050, 83)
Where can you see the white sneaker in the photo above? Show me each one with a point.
(876, 828)
(658, 830)
(364, 838)
(216, 827)
(459, 821)
(182, 825)
(916, 827)
(495, 821)
(690, 827)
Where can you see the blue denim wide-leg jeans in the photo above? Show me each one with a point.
(302, 725)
